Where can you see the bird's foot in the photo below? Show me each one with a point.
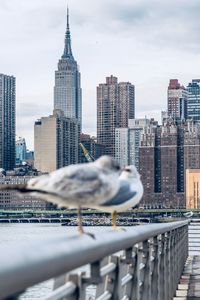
(118, 228)
(91, 235)
(81, 231)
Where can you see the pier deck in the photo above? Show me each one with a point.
(189, 287)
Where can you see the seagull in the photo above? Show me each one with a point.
(76, 186)
(129, 194)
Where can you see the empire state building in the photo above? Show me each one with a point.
(67, 89)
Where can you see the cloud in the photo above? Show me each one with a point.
(32, 109)
(146, 42)
(160, 23)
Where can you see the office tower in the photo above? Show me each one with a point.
(115, 105)
(176, 100)
(193, 106)
(90, 143)
(56, 141)
(127, 142)
(7, 122)
(67, 89)
(165, 154)
(20, 151)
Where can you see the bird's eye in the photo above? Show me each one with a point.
(127, 170)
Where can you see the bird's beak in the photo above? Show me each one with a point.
(126, 169)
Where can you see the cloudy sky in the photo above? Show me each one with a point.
(146, 42)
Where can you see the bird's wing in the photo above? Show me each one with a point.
(84, 185)
(125, 193)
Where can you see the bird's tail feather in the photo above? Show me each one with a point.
(18, 187)
(22, 188)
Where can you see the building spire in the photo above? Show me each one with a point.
(67, 50)
(68, 18)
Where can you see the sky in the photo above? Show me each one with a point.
(145, 42)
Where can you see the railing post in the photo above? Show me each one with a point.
(136, 277)
(134, 285)
(162, 268)
(167, 265)
(110, 284)
(155, 269)
(146, 271)
(126, 273)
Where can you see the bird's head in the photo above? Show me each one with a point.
(108, 163)
(130, 172)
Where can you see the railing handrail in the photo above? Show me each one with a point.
(32, 263)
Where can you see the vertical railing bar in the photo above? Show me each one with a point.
(145, 291)
(155, 270)
(134, 287)
(167, 266)
(162, 269)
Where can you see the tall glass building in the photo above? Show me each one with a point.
(20, 151)
(67, 89)
(193, 109)
(7, 122)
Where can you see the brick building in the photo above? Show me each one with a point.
(115, 105)
(166, 152)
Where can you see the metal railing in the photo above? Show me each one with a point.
(144, 263)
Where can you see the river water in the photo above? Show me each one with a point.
(12, 234)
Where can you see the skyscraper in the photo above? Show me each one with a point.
(67, 89)
(56, 141)
(193, 89)
(7, 122)
(177, 100)
(115, 105)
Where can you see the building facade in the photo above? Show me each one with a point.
(193, 107)
(127, 142)
(193, 188)
(20, 151)
(56, 140)
(7, 121)
(177, 100)
(115, 105)
(67, 89)
(11, 200)
(165, 154)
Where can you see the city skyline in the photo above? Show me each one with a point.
(128, 43)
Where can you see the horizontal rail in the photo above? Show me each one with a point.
(126, 279)
(29, 264)
(108, 269)
(106, 296)
(68, 288)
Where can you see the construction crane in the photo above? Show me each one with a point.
(86, 153)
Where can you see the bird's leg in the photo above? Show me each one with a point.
(114, 219)
(79, 220)
(80, 226)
